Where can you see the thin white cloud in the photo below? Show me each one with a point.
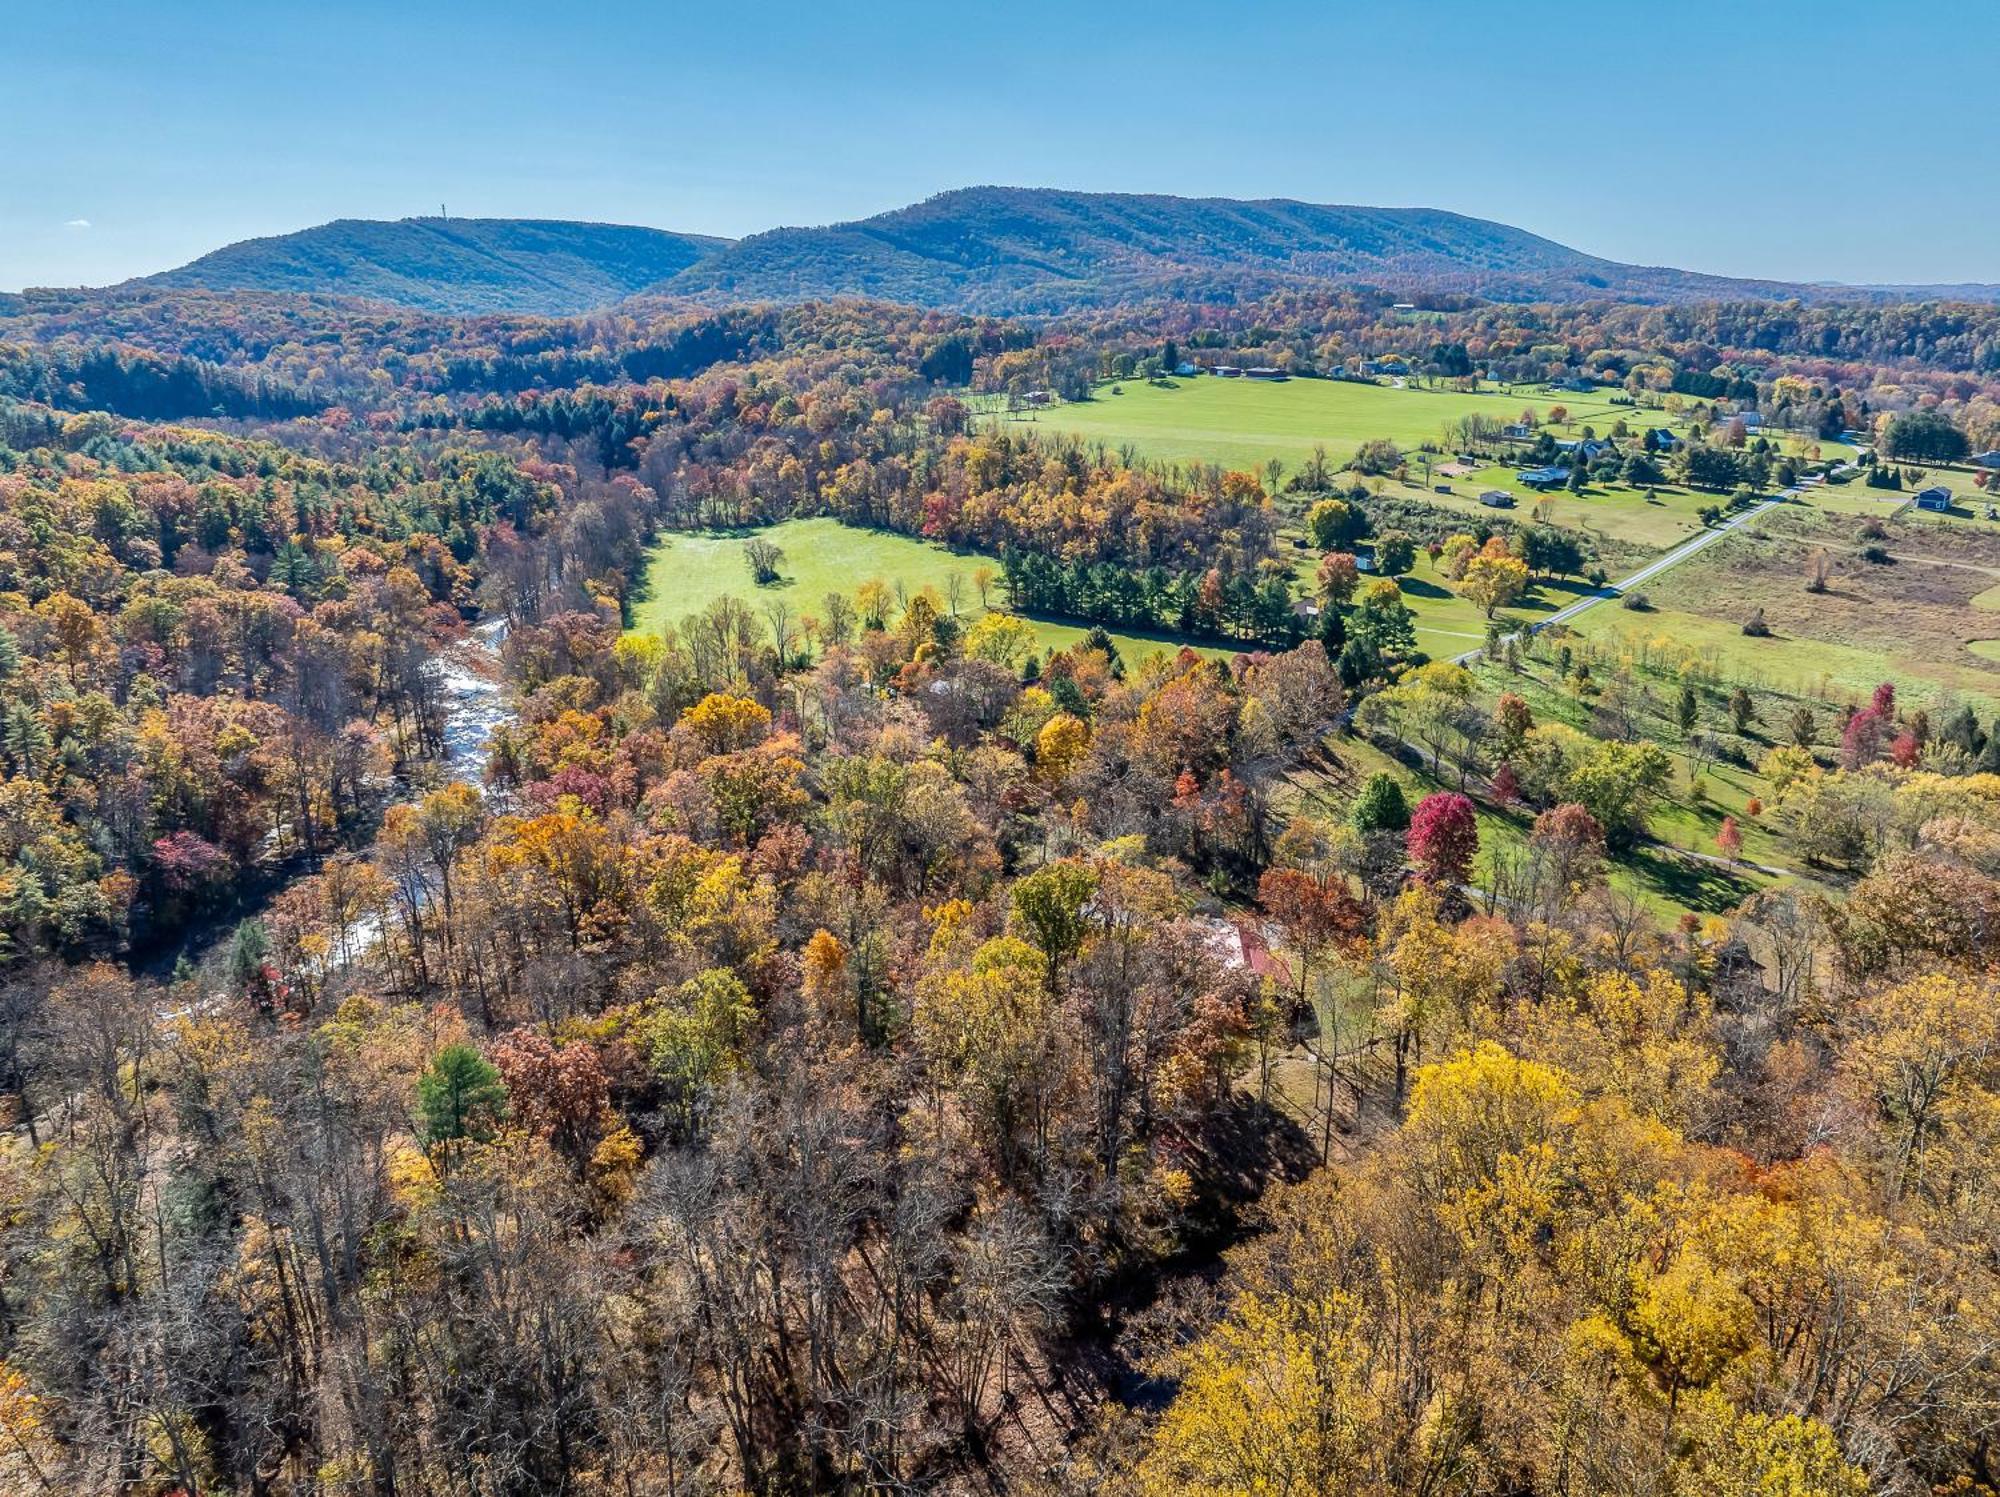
(76, 223)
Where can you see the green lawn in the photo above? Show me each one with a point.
(685, 573)
(1447, 624)
(1623, 519)
(1243, 423)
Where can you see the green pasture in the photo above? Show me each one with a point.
(1242, 423)
(1627, 520)
(685, 573)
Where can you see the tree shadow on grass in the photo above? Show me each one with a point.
(1416, 587)
(1695, 885)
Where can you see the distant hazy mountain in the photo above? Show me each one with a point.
(1029, 249)
(453, 265)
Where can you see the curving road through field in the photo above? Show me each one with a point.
(1645, 574)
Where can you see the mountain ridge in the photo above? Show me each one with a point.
(452, 265)
(1003, 250)
(1041, 250)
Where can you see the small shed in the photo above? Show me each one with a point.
(1497, 499)
(1937, 497)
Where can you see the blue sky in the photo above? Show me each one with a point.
(1832, 140)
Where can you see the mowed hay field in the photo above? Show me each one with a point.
(685, 573)
(1243, 423)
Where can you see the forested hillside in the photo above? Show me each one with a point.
(1042, 250)
(979, 249)
(890, 1035)
(452, 264)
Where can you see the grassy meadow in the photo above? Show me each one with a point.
(1242, 423)
(1926, 617)
(685, 573)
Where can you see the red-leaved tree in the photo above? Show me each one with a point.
(1443, 838)
(1312, 915)
(1729, 838)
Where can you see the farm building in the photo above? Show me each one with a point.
(1545, 478)
(1228, 371)
(1517, 431)
(1659, 439)
(1497, 499)
(1987, 459)
(1265, 373)
(1185, 369)
(1038, 397)
(1936, 497)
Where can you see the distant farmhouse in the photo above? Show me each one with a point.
(1265, 373)
(1185, 369)
(1659, 439)
(1545, 478)
(1517, 431)
(1987, 459)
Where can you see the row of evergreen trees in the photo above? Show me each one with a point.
(1208, 605)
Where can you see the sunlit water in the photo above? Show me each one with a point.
(475, 707)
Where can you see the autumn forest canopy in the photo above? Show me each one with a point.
(1180, 977)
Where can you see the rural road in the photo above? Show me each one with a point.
(1645, 574)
